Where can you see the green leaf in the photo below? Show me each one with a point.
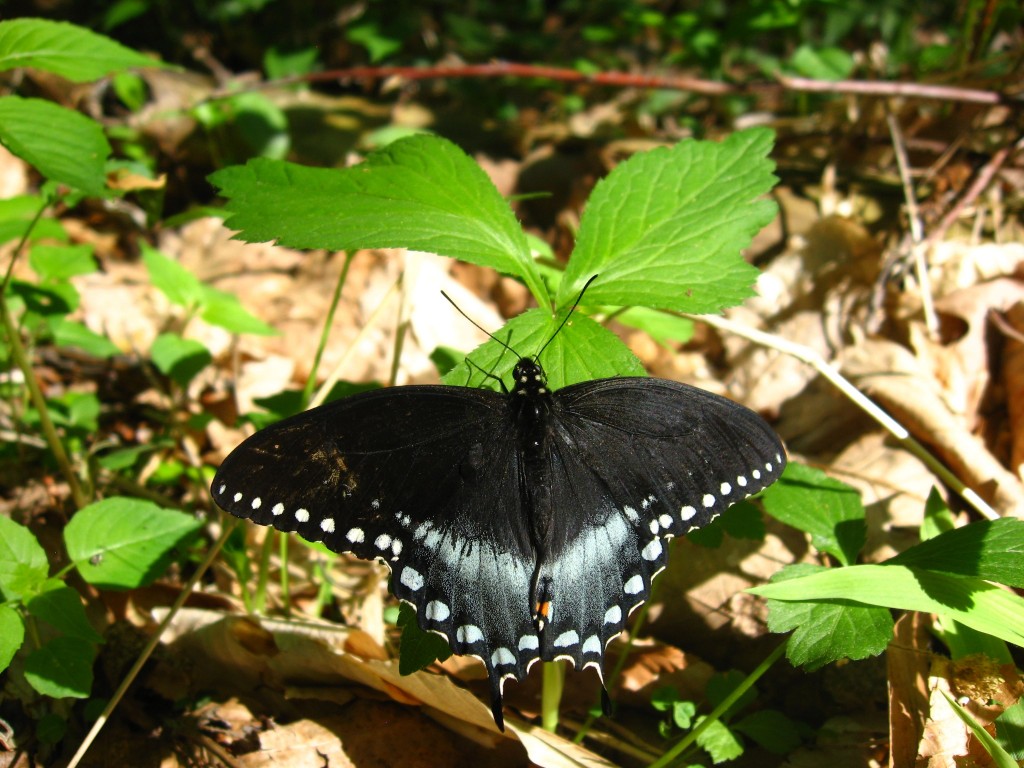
(175, 282)
(419, 192)
(419, 648)
(23, 565)
(988, 549)
(62, 668)
(721, 685)
(68, 333)
(17, 215)
(582, 350)
(1000, 758)
(666, 227)
(829, 510)
(225, 311)
(937, 517)
(822, 63)
(179, 359)
(121, 543)
(719, 742)
(772, 730)
(62, 144)
(827, 630)
(1009, 729)
(744, 520)
(60, 262)
(12, 634)
(973, 602)
(65, 49)
(61, 608)
(663, 327)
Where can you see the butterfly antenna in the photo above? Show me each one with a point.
(567, 316)
(477, 325)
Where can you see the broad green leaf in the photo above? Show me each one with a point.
(68, 333)
(771, 729)
(12, 634)
(829, 510)
(663, 327)
(743, 520)
(1009, 729)
(62, 609)
(62, 668)
(582, 350)
(60, 262)
(719, 742)
(179, 359)
(988, 549)
(827, 630)
(67, 50)
(420, 192)
(937, 517)
(963, 641)
(23, 565)
(419, 648)
(666, 227)
(1000, 757)
(973, 602)
(121, 543)
(62, 144)
(822, 63)
(225, 311)
(17, 214)
(175, 282)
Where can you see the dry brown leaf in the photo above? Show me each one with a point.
(1013, 381)
(908, 661)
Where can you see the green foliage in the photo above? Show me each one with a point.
(419, 648)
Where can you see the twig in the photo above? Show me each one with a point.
(931, 320)
(905, 90)
(897, 430)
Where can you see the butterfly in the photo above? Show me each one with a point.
(522, 525)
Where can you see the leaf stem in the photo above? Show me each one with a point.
(307, 392)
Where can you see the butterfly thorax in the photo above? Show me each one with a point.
(532, 406)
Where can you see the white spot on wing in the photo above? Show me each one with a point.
(655, 526)
(666, 521)
(757, 474)
(726, 489)
(592, 644)
(502, 657)
(302, 515)
(631, 514)
(469, 633)
(278, 509)
(382, 542)
(257, 503)
(238, 497)
(741, 481)
(413, 579)
(529, 643)
(652, 551)
(222, 488)
(567, 639)
(356, 535)
(708, 500)
(375, 503)
(436, 610)
(613, 615)
(768, 466)
(687, 513)
(634, 586)
(327, 525)
(396, 547)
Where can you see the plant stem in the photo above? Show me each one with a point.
(307, 392)
(687, 741)
(552, 684)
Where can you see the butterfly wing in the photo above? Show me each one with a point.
(425, 479)
(635, 462)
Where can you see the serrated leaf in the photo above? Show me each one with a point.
(829, 510)
(666, 227)
(973, 602)
(62, 609)
(582, 350)
(23, 565)
(225, 311)
(719, 742)
(12, 634)
(771, 729)
(420, 192)
(988, 549)
(65, 49)
(62, 668)
(179, 359)
(60, 262)
(122, 543)
(61, 144)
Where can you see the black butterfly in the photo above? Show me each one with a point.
(523, 525)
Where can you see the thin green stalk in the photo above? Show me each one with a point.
(691, 738)
(259, 603)
(552, 685)
(307, 391)
(286, 589)
(39, 401)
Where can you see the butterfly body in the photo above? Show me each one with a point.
(523, 525)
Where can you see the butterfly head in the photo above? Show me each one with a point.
(529, 379)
